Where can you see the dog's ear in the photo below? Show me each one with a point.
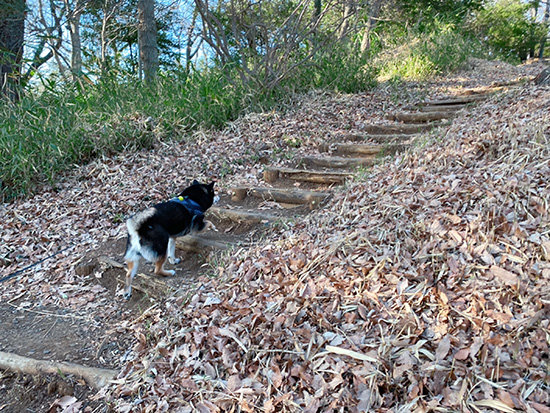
(195, 182)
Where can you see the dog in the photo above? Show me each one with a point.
(152, 232)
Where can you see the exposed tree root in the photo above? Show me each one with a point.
(95, 377)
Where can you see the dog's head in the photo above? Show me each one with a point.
(202, 194)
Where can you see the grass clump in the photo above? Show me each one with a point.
(47, 133)
(422, 55)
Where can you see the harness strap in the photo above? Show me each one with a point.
(193, 207)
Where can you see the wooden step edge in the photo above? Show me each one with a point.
(272, 174)
(197, 243)
(337, 162)
(359, 149)
(238, 215)
(401, 129)
(421, 108)
(361, 137)
(349, 148)
(149, 285)
(283, 195)
(449, 108)
(455, 100)
(419, 117)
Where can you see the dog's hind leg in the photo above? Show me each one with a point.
(159, 267)
(130, 274)
(171, 251)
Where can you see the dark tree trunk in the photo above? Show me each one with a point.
(317, 9)
(12, 30)
(147, 39)
(545, 21)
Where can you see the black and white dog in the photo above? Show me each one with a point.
(152, 232)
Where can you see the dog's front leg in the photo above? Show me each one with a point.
(130, 274)
(209, 225)
(171, 251)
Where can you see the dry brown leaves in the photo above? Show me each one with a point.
(423, 287)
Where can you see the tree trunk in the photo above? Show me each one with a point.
(12, 29)
(317, 4)
(189, 54)
(103, 48)
(73, 17)
(545, 21)
(349, 10)
(371, 24)
(147, 39)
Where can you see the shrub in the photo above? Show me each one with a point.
(444, 49)
(505, 27)
(47, 133)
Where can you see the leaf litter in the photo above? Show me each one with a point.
(422, 286)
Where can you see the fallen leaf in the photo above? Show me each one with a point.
(507, 277)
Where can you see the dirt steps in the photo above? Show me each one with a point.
(280, 199)
(272, 174)
(336, 163)
(283, 195)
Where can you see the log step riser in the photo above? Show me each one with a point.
(287, 196)
(415, 118)
(400, 129)
(239, 216)
(195, 243)
(319, 177)
(336, 162)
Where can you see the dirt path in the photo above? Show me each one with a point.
(76, 315)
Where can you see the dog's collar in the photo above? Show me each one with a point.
(188, 203)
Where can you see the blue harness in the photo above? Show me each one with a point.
(193, 207)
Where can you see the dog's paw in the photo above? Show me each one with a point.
(174, 261)
(210, 225)
(170, 272)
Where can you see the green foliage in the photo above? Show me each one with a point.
(342, 69)
(425, 54)
(507, 28)
(426, 15)
(46, 134)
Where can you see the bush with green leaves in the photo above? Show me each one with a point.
(44, 134)
(507, 28)
(422, 55)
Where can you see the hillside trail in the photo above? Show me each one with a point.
(82, 324)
